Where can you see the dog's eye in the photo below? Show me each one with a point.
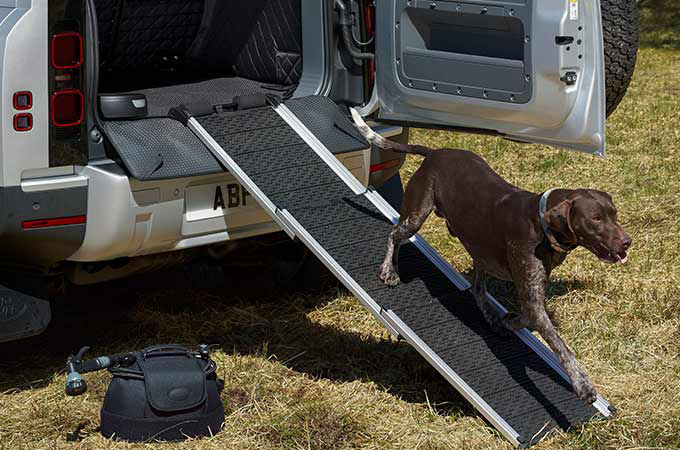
(597, 218)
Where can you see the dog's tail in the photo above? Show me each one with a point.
(379, 141)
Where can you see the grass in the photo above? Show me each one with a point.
(314, 370)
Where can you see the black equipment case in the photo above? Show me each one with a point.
(163, 393)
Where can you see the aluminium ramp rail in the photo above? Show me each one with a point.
(515, 382)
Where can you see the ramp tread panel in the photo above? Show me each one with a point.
(503, 370)
(341, 210)
(327, 122)
(235, 122)
(263, 161)
(433, 285)
(321, 194)
(334, 235)
(297, 178)
(364, 254)
(419, 293)
(511, 385)
(257, 139)
(252, 130)
(513, 380)
(452, 339)
(267, 149)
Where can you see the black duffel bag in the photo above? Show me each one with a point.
(163, 393)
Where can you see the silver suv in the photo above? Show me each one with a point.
(98, 182)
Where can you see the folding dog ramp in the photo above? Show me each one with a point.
(282, 155)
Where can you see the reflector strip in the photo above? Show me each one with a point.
(384, 165)
(60, 222)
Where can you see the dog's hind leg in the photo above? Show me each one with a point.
(417, 204)
(491, 315)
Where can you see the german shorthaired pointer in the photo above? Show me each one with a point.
(511, 234)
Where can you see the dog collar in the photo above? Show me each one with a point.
(552, 240)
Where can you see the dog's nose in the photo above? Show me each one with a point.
(626, 241)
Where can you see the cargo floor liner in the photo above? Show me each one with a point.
(161, 148)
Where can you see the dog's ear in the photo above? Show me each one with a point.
(558, 219)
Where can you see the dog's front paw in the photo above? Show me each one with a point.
(583, 388)
(388, 275)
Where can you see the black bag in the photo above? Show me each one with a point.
(167, 394)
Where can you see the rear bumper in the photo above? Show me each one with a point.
(25, 240)
(130, 218)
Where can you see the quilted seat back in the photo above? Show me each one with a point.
(256, 39)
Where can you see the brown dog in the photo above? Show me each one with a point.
(511, 234)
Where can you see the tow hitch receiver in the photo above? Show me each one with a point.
(22, 315)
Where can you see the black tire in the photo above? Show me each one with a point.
(621, 29)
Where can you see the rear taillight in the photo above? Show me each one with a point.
(68, 108)
(67, 50)
(67, 98)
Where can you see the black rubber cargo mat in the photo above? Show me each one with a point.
(157, 149)
(216, 92)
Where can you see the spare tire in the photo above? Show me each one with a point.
(621, 30)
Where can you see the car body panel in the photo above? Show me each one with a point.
(518, 92)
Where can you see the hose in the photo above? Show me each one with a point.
(347, 36)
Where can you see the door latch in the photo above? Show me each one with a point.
(569, 78)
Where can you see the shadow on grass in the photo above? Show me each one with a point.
(241, 311)
(244, 316)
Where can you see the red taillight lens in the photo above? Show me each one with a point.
(68, 108)
(59, 222)
(67, 51)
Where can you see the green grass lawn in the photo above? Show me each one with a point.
(315, 370)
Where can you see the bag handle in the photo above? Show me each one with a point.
(165, 350)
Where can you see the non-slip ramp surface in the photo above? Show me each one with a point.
(512, 385)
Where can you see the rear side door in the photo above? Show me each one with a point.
(529, 70)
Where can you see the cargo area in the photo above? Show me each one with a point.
(177, 51)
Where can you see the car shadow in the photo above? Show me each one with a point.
(244, 313)
(241, 310)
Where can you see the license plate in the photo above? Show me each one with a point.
(215, 200)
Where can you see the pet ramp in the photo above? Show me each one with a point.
(282, 155)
